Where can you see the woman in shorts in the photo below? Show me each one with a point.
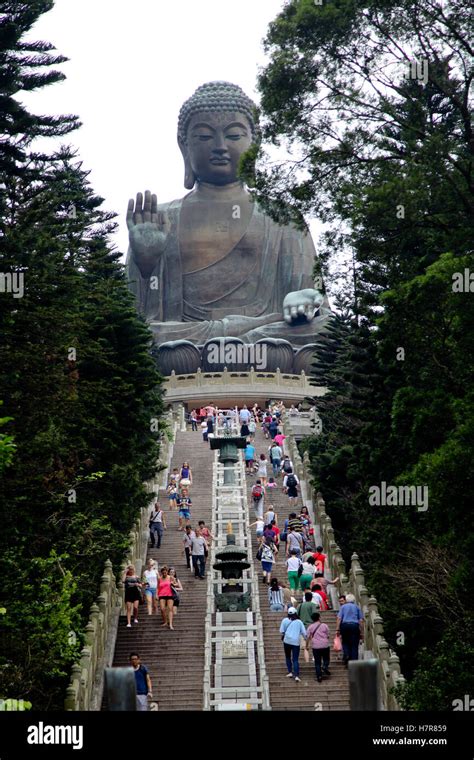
(172, 492)
(133, 593)
(186, 476)
(165, 595)
(150, 579)
(262, 469)
(177, 587)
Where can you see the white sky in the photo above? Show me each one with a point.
(132, 64)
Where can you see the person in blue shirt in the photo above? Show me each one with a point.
(350, 626)
(291, 630)
(249, 456)
(142, 681)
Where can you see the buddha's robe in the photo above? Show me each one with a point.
(240, 295)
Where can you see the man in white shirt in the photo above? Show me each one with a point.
(187, 541)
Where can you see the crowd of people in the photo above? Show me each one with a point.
(159, 586)
(302, 594)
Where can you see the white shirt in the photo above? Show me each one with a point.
(269, 516)
(293, 564)
(151, 578)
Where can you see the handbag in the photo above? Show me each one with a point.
(300, 569)
(174, 594)
(337, 644)
(259, 554)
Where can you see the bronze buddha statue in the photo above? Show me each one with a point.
(213, 264)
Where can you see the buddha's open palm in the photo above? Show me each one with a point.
(301, 305)
(148, 229)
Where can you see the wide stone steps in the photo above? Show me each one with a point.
(175, 659)
(285, 694)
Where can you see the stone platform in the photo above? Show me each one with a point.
(229, 388)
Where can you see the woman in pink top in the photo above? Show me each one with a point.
(279, 438)
(318, 638)
(166, 597)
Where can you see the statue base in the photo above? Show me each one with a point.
(237, 388)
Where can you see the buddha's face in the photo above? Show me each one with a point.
(215, 142)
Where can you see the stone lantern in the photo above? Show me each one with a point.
(231, 562)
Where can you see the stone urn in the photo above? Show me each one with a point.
(182, 356)
(278, 354)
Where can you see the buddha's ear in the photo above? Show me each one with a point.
(189, 176)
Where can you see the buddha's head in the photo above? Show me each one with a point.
(216, 126)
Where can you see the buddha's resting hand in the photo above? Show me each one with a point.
(301, 305)
(148, 229)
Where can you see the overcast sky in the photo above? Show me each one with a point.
(132, 64)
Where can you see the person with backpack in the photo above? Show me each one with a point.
(266, 554)
(294, 542)
(275, 596)
(291, 630)
(286, 465)
(142, 682)
(275, 456)
(258, 494)
(318, 639)
(290, 485)
(157, 525)
(306, 609)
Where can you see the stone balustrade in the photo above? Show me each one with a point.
(86, 685)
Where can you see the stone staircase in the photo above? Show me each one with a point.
(285, 694)
(175, 659)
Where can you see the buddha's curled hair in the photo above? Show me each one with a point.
(217, 96)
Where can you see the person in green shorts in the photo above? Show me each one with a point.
(308, 574)
(292, 565)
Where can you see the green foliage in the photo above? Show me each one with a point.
(35, 634)
(79, 386)
(7, 446)
(385, 158)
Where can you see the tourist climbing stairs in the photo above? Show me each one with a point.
(285, 693)
(176, 658)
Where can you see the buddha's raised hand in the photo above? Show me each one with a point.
(148, 229)
(301, 305)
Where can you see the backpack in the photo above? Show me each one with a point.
(287, 466)
(257, 492)
(291, 481)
